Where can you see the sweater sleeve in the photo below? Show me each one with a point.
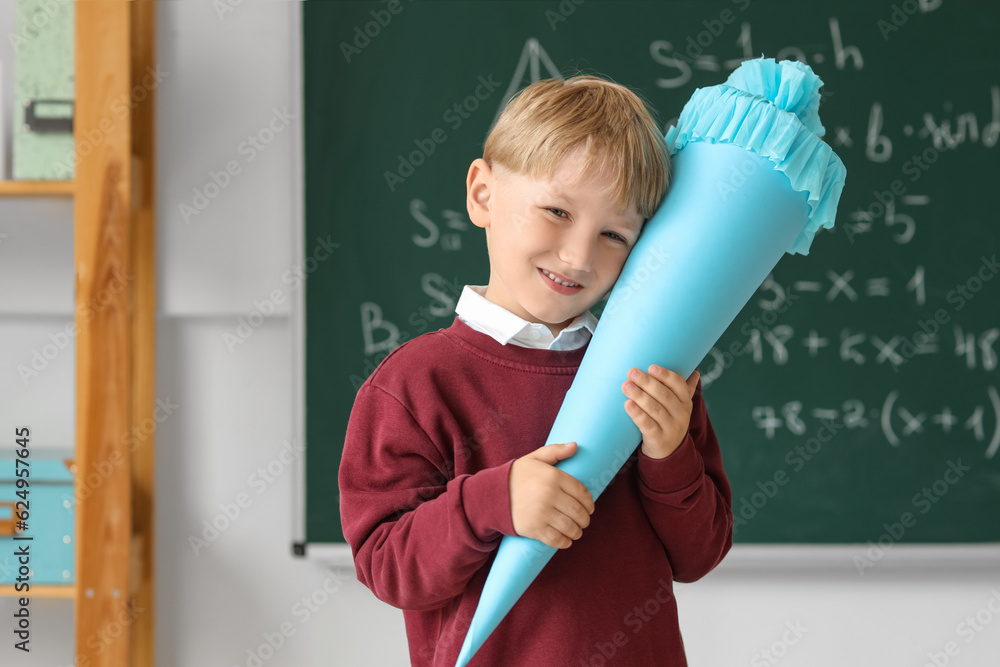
(688, 500)
(418, 533)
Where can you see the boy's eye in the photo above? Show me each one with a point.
(559, 213)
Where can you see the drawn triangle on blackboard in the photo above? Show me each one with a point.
(532, 55)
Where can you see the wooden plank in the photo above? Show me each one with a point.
(43, 591)
(36, 188)
(143, 329)
(102, 241)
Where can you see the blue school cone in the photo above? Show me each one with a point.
(752, 180)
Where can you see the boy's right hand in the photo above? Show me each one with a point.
(546, 503)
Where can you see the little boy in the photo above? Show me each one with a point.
(445, 451)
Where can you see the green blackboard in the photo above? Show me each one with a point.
(855, 396)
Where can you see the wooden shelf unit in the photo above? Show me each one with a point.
(114, 244)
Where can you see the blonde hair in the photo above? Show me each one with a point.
(547, 120)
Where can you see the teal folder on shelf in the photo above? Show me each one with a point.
(48, 530)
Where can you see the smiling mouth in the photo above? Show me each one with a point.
(556, 279)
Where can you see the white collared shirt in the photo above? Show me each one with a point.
(505, 327)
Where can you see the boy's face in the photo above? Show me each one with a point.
(565, 225)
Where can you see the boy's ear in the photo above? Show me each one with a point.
(478, 187)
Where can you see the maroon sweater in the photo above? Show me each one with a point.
(425, 501)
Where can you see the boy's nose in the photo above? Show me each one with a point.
(577, 252)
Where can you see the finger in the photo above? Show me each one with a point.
(574, 512)
(692, 381)
(576, 490)
(656, 382)
(672, 381)
(566, 525)
(647, 413)
(554, 538)
(655, 398)
(552, 454)
(647, 424)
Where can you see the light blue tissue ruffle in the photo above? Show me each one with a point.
(772, 109)
(791, 85)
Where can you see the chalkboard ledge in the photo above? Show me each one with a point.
(860, 559)
(330, 554)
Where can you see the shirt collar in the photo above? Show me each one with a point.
(505, 327)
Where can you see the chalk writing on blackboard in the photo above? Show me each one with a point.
(533, 58)
(897, 420)
(945, 133)
(454, 224)
(685, 58)
(777, 343)
(862, 220)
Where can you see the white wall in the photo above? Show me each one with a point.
(235, 412)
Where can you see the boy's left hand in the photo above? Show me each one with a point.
(660, 404)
